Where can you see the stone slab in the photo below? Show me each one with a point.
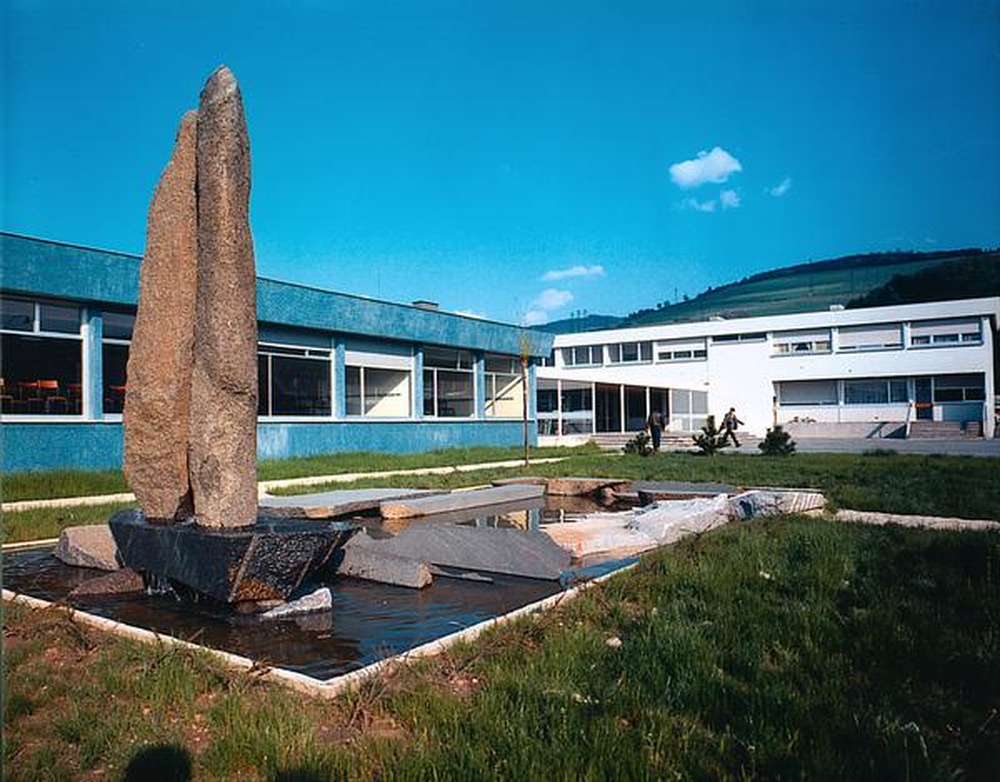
(511, 510)
(329, 504)
(525, 480)
(318, 600)
(265, 561)
(654, 491)
(508, 551)
(90, 546)
(600, 533)
(119, 582)
(576, 487)
(365, 557)
(459, 500)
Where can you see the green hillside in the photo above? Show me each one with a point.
(814, 286)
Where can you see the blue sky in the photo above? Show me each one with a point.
(522, 160)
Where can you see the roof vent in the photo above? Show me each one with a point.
(716, 318)
(836, 308)
(423, 304)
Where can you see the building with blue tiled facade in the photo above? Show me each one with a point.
(336, 372)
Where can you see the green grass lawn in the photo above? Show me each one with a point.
(37, 485)
(791, 648)
(894, 483)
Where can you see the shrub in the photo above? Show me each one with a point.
(710, 439)
(640, 444)
(777, 442)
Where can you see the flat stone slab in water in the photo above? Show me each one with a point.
(578, 487)
(264, 561)
(328, 504)
(459, 500)
(512, 552)
(654, 491)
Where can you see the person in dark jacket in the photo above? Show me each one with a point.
(730, 423)
(655, 426)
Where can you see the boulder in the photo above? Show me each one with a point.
(90, 546)
(160, 356)
(222, 432)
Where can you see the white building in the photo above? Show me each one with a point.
(869, 372)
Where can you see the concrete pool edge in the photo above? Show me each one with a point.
(329, 688)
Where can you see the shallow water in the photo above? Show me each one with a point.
(368, 621)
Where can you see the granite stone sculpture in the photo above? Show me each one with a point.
(191, 405)
(191, 408)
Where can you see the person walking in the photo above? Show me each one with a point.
(655, 426)
(730, 423)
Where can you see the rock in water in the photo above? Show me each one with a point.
(159, 366)
(88, 546)
(222, 435)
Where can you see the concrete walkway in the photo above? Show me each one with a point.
(265, 486)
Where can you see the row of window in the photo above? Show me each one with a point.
(42, 350)
(884, 336)
(880, 391)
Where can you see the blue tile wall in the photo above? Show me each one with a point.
(98, 446)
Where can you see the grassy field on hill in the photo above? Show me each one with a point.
(805, 287)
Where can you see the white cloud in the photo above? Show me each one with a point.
(545, 302)
(574, 271)
(551, 299)
(698, 206)
(729, 199)
(715, 166)
(781, 188)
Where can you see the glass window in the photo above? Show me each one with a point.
(455, 394)
(42, 356)
(630, 351)
(446, 358)
(386, 392)
(646, 351)
(876, 337)
(548, 400)
(615, 354)
(292, 383)
(959, 388)
(115, 362)
(118, 325)
(41, 375)
(504, 388)
(865, 392)
(352, 385)
(59, 318)
(815, 341)
(17, 315)
(299, 386)
(945, 332)
(808, 392)
(875, 391)
(576, 400)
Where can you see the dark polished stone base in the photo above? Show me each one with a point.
(264, 561)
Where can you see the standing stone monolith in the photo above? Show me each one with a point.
(222, 433)
(158, 401)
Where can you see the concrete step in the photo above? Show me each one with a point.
(945, 430)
